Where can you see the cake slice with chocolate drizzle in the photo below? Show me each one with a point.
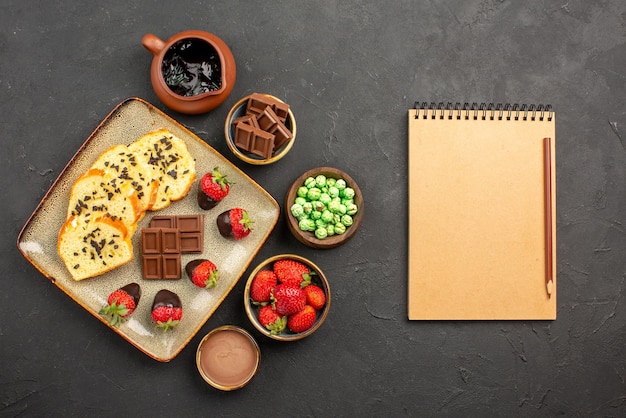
(92, 246)
(93, 196)
(168, 162)
(118, 162)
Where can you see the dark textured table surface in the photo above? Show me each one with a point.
(350, 70)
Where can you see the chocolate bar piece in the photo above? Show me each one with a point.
(171, 266)
(152, 266)
(160, 248)
(170, 241)
(190, 230)
(282, 135)
(163, 222)
(161, 266)
(150, 241)
(243, 136)
(190, 223)
(249, 119)
(254, 140)
(165, 239)
(258, 102)
(270, 122)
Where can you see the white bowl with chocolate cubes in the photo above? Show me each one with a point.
(260, 129)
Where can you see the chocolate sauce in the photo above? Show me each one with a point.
(191, 67)
(223, 224)
(229, 358)
(134, 290)
(204, 201)
(165, 297)
(191, 266)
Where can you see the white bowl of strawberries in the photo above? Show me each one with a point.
(287, 297)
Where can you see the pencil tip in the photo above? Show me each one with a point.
(549, 288)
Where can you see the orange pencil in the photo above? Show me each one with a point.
(547, 154)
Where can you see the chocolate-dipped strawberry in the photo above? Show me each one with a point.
(167, 310)
(203, 273)
(212, 188)
(234, 223)
(121, 303)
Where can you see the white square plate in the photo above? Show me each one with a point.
(38, 239)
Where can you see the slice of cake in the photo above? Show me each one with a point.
(118, 162)
(93, 196)
(169, 162)
(90, 247)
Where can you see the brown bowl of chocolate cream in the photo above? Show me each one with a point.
(228, 357)
(192, 72)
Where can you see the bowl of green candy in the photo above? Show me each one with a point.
(324, 207)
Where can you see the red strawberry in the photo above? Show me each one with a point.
(203, 273)
(167, 310)
(315, 296)
(287, 300)
(213, 187)
(273, 322)
(292, 272)
(121, 303)
(303, 320)
(262, 286)
(234, 223)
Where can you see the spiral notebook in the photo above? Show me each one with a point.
(482, 212)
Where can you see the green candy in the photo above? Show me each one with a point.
(318, 206)
(307, 207)
(346, 220)
(327, 216)
(309, 182)
(300, 201)
(302, 191)
(320, 223)
(330, 230)
(297, 210)
(330, 182)
(321, 233)
(320, 180)
(325, 198)
(306, 224)
(351, 209)
(348, 193)
(333, 191)
(334, 205)
(340, 228)
(340, 184)
(314, 193)
(315, 215)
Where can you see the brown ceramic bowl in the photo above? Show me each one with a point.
(228, 357)
(319, 278)
(204, 43)
(238, 110)
(309, 238)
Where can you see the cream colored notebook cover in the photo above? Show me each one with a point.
(482, 232)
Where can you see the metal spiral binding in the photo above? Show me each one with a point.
(483, 111)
